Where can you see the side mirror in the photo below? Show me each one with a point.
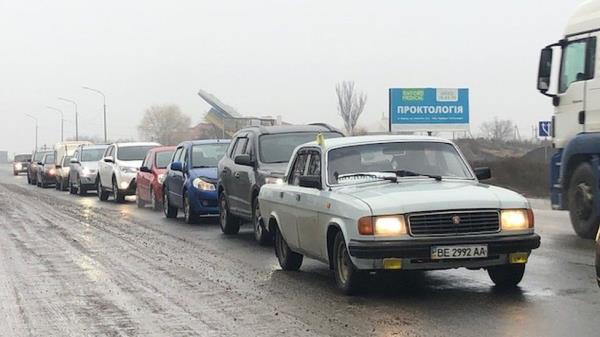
(57, 166)
(108, 159)
(545, 70)
(28, 160)
(244, 159)
(74, 161)
(310, 182)
(145, 169)
(483, 173)
(176, 166)
(40, 163)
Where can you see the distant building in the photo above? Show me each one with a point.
(3, 157)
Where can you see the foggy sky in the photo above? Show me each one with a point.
(264, 58)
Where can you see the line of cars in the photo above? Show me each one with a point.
(359, 204)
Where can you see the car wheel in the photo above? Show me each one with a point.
(117, 195)
(170, 211)
(261, 235)
(582, 211)
(348, 278)
(189, 215)
(138, 201)
(102, 194)
(507, 276)
(229, 223)
(156, 205)
(288, 259)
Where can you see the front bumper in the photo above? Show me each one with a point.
(203, 203)
(126, 183)
(416, 254)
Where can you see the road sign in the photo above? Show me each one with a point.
(545, 129)
(428, 109)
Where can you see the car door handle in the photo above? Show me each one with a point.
(237, 175)
(297, 197)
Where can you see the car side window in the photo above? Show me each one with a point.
(298, 169)
(314, 166)
(240, 146)
(231, 147)
(76, 154)
(146, 161)
(184, 157)
(177, 154)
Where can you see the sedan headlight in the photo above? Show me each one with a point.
(392, 225)
(203, 185)
(126, 169)
(52, 171)
(86, 172)
(273, 180)
(516, 219)
(161, 178)
(18, 166)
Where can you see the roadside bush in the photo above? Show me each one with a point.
(528, 177)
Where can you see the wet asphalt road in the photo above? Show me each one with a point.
(74, 266)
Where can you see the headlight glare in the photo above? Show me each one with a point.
(273, 180)
(18, 166)
(203, 185)
(516, 219)
(393, 225)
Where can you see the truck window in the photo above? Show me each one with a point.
(573, 67)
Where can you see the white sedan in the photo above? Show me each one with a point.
(363, 204)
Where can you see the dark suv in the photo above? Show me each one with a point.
(257, 156)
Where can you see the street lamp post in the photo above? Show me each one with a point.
(62, 122)
(36, 129)
(76, 115)
(104, 106)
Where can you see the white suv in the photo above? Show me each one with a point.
(118, 168)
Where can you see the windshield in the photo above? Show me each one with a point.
(91, 154)
(22, 157)
(278, 148)
(163, 158)
(39, 156)
(208, 155)
(406, 159)
(127, 153)
(49, 159)
(66, 160)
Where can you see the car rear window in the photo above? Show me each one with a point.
(91, 154)
(22, 157)
(130, 153)
(278, 148)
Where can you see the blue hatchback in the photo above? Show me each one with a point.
(191, 178)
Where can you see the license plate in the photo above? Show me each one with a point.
(459, 252)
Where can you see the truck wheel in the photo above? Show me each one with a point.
(288, 259)
(117, 195)
(507, 276)
(190, 216)
(582, 211)
(102, 194)
(262, 236)
(170, 211)
(348, 278)
(229, 223)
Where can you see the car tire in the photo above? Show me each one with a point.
(261, 235)
(156, 205)
(117, 195)
(348, 278)
(288, 259)
(102, 194)
(170, 211)
(507, 276)
(189, 216)
(229, 223)
(583, 212)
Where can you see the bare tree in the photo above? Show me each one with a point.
(165, 124)
(498, 129)
(350, 104)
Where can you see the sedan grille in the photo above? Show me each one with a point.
(448, 223)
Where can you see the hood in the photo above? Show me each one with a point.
(425, 195)
(206, 172)
(92, 165)
(131, 163)
(276, 169)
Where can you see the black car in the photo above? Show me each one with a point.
(32, 170)
(21, 163)
(256, 156)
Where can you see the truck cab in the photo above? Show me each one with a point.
(569, 73)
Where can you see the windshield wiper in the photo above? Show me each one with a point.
(406, 173)
(364, 174)
(203, 166)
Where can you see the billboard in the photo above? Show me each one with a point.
(428, 109)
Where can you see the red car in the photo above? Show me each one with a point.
(151, 176)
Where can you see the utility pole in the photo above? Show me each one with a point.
(76, 115)
(104, 106)
(36, 129)
(62, 122)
